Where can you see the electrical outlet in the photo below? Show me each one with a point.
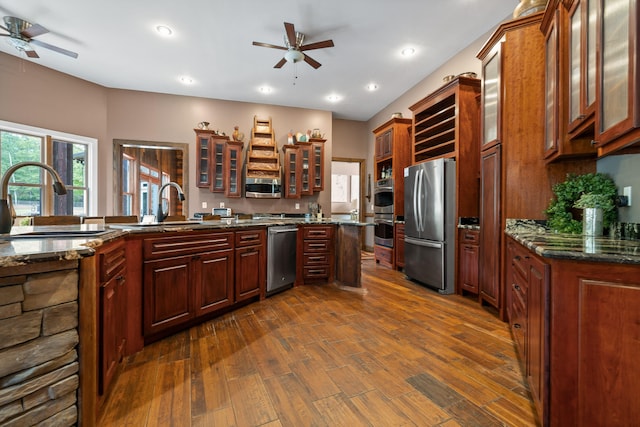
(204, 205)
(222, 205)
(297, 205)
(627, 192)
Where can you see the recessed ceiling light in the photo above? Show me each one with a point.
(163, 30)
(408, 51)
(372, 86)
(265, 89)
(333, 98)
(186, 80)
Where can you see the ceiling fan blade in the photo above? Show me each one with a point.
(280, 63)
(291, 33)
(317, 45)
(54, 48)
(312, 62)
(31, 53)
(34, 30)
(273, 46)
(6, 29)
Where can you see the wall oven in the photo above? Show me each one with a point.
(383, 233)
(383, 197)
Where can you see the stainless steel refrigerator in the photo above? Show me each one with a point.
(430, 223)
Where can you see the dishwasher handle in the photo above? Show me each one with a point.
(282, 230)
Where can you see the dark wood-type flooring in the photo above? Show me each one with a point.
(396, 354)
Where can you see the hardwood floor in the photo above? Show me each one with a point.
(396, 354)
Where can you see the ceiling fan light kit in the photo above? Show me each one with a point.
(21, 36)
(294, 45)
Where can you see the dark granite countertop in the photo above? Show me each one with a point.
(26, 245)
(544, 242)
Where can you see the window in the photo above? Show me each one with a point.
(30, 187)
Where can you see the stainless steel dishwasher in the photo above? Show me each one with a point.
(281, 257)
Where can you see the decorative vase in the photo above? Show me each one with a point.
(592, 222)
(527, 7)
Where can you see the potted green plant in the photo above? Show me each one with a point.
(561, 214)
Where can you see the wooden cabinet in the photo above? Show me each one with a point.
(528, 309)
(581, 321)
(112, 313)
(262, 155)
(398, 245)
(491, 225)
(569, 80)
(292, 171)
(392, 155)
(317, 162)
(210, 160)
(316, 248)
(184, 277)
(468, 260)
(446, 124)
(515, 180)
(233, 169)
(303, 168)
(251, 272)
(592, 61)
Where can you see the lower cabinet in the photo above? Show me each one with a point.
(186, 276)
(251, 274)
(468, 260)
(580, 327)
(112, 314)
(399, 245)
(316, 243)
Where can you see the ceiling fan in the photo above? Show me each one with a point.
(294, 46)
(21, 36)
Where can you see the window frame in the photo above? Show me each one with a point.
(48, 136)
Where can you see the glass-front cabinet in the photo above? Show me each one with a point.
(203, 155)
(491, 98)
(218, 145)
(318, 164)
(550, 88)
(233, 167)
(306, 171)
(292, 171)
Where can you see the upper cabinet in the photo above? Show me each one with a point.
(317, 161)
(592, 79)
(210, 151)
(233, 168)
(490, 98)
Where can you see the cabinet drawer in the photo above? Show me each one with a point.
(318, 232)
(316, 259)
(469, 237)
(383, 254)
(519, 290)
(316, 246)
(249, 237)
(112, 261)
(165, 247)
(520, 260)
(316, 272)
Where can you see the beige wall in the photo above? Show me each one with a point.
(37, 96)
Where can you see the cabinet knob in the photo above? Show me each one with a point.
(516, 326)
(516, 287)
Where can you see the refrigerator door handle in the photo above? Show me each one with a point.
(421, 242)
(415, 201)
(420, 203)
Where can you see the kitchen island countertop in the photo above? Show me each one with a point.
(544, 242)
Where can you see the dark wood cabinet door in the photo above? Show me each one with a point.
(233, 169)
(469, 267)
(489, 272)
(292, 171)
(108, 334)
(167, 292)
(250, 272)
(213, 277)
(537, 334)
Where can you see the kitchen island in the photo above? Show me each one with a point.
(77, 297)
(572, 303)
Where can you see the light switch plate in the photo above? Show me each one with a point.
(222, 204)
(204, 205)
(297, 205)
(627, 192)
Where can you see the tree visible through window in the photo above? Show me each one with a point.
(30, 187)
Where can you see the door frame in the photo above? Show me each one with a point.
(362, 171)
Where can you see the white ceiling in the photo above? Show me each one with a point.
(212, 42)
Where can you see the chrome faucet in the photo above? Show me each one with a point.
(160, 215)
(7, 213)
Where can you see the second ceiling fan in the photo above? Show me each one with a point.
(294, 46)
